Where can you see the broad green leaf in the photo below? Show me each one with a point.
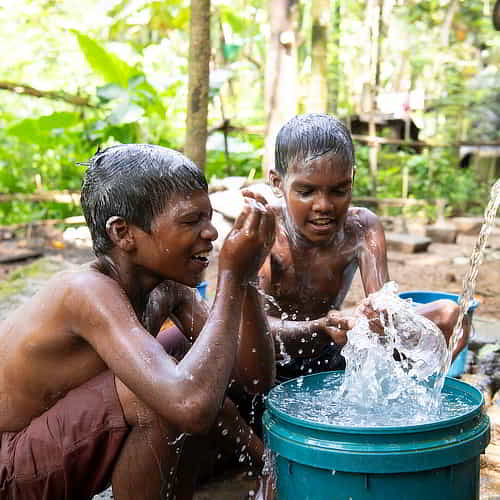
(108, 65)
(31, 129)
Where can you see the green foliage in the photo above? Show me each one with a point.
(131, 62)
(433, 174)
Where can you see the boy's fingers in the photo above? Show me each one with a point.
(255, 211)
(240, 220)
(256, 196)
(268, 226)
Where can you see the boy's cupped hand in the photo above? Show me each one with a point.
(336, 324)
(251, 238)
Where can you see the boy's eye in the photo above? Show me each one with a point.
(304, 191)
(194, 219)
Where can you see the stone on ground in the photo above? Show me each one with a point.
(407, 243)
(442, 233)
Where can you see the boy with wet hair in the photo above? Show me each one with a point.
(88, 395)
(321, 240)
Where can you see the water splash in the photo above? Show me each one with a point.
(285, 357)
(470, 279)
(392, 354)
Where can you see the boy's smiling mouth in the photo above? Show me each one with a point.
(322, 223)
(201, 257)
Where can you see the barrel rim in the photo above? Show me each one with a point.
(450, 382)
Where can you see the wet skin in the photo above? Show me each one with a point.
(106, 315)
(321, 241)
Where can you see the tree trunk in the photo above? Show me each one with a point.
(281, 78)
(318, 89)
(198, 81)
(334, 66)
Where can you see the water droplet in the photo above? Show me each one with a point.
(300, 351)
(225, 432)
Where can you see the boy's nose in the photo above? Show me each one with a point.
(209, 232)
(322, 203)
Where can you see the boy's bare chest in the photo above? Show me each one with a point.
(311, 287)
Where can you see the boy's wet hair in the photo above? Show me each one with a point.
(134, 181)
(309, 136)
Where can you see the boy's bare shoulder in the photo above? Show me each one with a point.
(85, 285)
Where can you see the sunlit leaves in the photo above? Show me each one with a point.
(106, 64)
(42, 130)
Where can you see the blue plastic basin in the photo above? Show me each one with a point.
(202, 288)
(426, 296)
(433, 461)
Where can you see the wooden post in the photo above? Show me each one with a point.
(373, 154)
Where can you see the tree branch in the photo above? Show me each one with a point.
(22, 89)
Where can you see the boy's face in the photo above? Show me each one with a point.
(318, 193)
(180, 240)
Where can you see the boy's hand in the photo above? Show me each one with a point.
(374, 317)
(251, 239)
(336, 325)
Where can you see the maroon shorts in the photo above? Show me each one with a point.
(69, 451)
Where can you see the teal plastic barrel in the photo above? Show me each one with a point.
(433, 461)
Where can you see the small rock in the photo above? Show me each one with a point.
(407, 243)
(461, 261)
(496, 399)
(451, 277)
(494, 415)
(488, 361)
(468, 225)
(442, 233)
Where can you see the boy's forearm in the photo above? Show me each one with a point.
(299, 339)
(210, 360)
(255, 367)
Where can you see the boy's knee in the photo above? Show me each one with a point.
(449, 312)
(136, 412)
(174, 342)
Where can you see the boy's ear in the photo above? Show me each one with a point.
(276, 183)
(120, 233)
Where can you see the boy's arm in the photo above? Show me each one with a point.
(372, 257)
(254, 366)
(303, 339)
(189, 394)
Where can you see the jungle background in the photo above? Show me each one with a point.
(80, 74)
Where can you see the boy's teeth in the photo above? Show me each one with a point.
(201, 255)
